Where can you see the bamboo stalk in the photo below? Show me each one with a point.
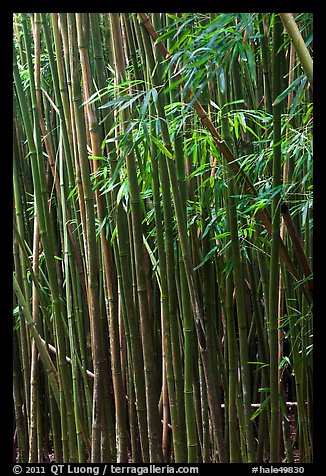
(274, 265)
(299, 44)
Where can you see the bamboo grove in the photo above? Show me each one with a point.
(162, 287)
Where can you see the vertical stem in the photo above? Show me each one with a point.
(274, 262)
(299, 44)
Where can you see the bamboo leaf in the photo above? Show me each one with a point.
(144, 106)
(207, 257)
(95, 157)
(115, 101)
(161, 147)
(260, 408)
(289, 89)
(283, 408)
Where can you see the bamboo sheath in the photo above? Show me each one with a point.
(248, 186)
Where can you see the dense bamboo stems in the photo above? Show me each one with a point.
(92, 267)
(240, 299)
(60, 91)
(69, 133)
(21, 270)
(274, 264)
(21, 423)
(44, 223)
(167, 286)
(188, 321)
(129, 312)
(227, 153)
(46, 360)
(162, 306)
(146, 330)
(194, 297)
(171, 325)
(107, 259)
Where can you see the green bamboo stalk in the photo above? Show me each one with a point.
(18, 36)
(266, 64)
(274, 264)
(232, 369)
(35, 434)
(299, 44)
(35, 376)
(204, 417)
(21, 269)
(135, 447)
(189, 343)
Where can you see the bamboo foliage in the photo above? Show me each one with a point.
(162, 237)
